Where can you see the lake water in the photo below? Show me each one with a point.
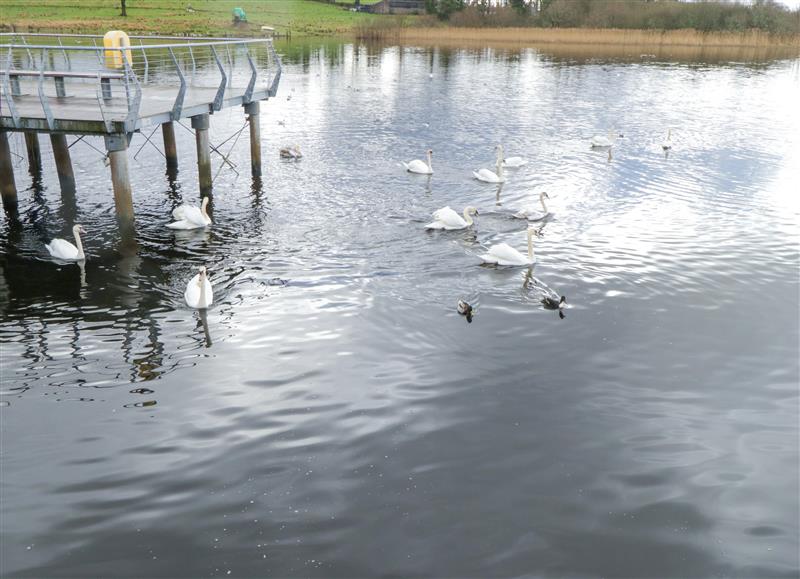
(337, 417)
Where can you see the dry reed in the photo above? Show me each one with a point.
(579, 36)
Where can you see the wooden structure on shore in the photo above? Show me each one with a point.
(396, 7)
(64, 85)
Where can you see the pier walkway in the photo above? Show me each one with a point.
(71, 84)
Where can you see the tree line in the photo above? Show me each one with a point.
(765, 15)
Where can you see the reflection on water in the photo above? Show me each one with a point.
(333, 415)
(630, 53)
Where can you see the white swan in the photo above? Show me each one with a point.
(190, 217)
(199, 294)
(63, 249)
(514, 162)
(417, 166)
(666, 144)
(488, 176)
(602, 142)
(446, 218)
(292, 152)
(532, 213)
(504, 254)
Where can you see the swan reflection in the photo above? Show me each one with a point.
(203, 314)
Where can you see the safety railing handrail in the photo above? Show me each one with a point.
(127, 76)
(139, 46)
(135, 36)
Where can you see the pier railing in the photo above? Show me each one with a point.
(73, 83)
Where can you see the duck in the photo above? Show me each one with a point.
(199, 294)
(291, 152)
(63, 249)
(551, 301)
(190, 217)
(532, 213)
(549, 298)
(421, 167)
(504, 254)
(464, 309)
(446, 218)
(666, 144)
(488, 176)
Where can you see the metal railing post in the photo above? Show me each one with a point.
(146, 63)
(48, 114)
(178, 105)
(221, 90)
(248, 93)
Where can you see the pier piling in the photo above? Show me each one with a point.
(8, 188)
(66, 177)
(170, 148)
(117, 147)
(252, 111)
(34, 152)
(200, 125)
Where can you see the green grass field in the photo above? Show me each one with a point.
(180, 16)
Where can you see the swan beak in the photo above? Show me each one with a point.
(476, 212)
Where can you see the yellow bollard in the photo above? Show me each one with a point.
(116, 39)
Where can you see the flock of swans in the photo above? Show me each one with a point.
(503, 254)
(199, 293)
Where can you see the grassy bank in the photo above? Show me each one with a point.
(562, 22)
(206, 17)
(576, 36)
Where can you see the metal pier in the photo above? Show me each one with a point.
(69, 84)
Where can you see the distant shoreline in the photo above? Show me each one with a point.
(400, 31)
(581, 36)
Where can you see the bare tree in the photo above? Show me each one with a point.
(124, 7)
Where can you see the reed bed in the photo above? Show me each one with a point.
(578, 36)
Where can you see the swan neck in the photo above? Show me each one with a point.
(202, 301)
(203, 206)
(530, 245)
(467, 216)
(430, 165)
(79, 243)
(541, 200)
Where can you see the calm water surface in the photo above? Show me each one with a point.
(334, 416)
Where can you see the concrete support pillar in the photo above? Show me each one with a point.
(170, 148)
(252, 110)
(63, 162)
(34, 152)
(200, 125)
(8, 188)
(117, 147)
